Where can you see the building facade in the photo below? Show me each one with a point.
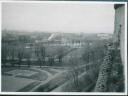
(119, 32)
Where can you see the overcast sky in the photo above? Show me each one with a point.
(56, 17)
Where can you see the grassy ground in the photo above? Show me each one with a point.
(13, 84)
(42, 75)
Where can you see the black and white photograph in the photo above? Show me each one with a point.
(63, 47)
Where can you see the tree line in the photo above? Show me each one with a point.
(19, 54)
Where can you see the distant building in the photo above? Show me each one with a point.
(104, 36)
(57, 39)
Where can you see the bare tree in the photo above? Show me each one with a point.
(28, 57)
(86, 53)
(20, 55)
(12, 52)
(4, 53)
(51, 60)
(74, 71)
(40, 53)
(60, 53)
(37, 53)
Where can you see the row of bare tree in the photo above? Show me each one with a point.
(16, 54)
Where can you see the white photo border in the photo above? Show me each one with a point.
(69, 93)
